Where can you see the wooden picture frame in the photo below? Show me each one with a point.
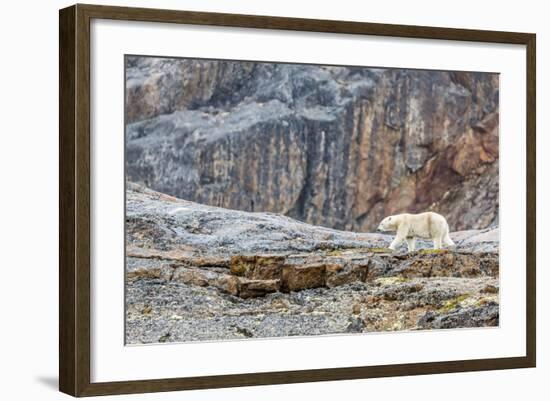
(74, 200)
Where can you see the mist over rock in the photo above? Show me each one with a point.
(339, 147)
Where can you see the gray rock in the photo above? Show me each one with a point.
(356, 326)
(482, 316)
(340, 147)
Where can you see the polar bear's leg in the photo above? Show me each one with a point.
(437, 242)
(411, 243)
(448, 241)
(396, 242)
(399, 237)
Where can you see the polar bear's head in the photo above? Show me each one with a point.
(388, 224)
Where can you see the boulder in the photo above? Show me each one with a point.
(340, 274)
(257, 288)
(296, 278)
(257, 267)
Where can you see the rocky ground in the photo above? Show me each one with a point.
(197, 272)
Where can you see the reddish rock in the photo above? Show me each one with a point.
(257, 267)
(204, 278)
(296, 278)
(448, 264)
(241, 264)
(257, 288)
(340, 274)
(190, 276)
(226, 283)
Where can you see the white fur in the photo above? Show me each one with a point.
(408, 227)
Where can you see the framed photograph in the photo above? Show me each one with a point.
(249, 200)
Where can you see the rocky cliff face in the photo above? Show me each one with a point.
(196, 272)
(339, 147)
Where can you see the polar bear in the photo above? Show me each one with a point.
(410, 226)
